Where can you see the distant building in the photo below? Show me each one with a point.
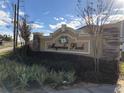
(66, 39)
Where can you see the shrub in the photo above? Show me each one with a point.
(3, 72)
(46, 66)
(21, 75)
(92, 76)
(108, 78)
(70, 77)
(39, 74)
(60, 78)
(110, 71)
(56, 78)
(82, 65)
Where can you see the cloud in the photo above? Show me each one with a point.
(4, 30)
(70, 16)
(37, 26)
(59, 18)
(119, 9)
(73, 23)
(2, 23)
(119, 3)
(3, 4)
(115, 18)
(56, 18)
(46, 32)
(56, 26)
(3, 14)
(46, 12)
(5, 18)
(21, 13)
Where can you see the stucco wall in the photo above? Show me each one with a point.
(109, 41)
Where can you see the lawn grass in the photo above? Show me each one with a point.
(4, 54)
(6, 45)
(122, 68)
(2, 47)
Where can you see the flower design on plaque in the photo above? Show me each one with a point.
(63, 40)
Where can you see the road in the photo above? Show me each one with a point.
(5, 49)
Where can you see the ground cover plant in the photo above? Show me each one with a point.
(82, 65)
(21, 76)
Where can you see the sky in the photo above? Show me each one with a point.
(45, 15)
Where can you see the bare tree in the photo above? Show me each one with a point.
(25, 30)
(95, 15)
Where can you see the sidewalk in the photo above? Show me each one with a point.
(80, 88)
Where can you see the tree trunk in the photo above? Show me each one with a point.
(94, 52)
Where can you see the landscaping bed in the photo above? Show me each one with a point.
(22, 76)
(82, 65)
(54, 69)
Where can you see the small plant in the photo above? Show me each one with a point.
(40, 74)
(70, 76)
(20, 75)
(23, 75)
(56, 78)
(3, 72)
(61, 78)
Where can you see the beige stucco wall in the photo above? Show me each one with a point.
(73, 37)
(106, 48)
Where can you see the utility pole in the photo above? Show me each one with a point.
(17, 30)
(14, 31)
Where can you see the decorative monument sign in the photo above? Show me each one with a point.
(66, 39)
